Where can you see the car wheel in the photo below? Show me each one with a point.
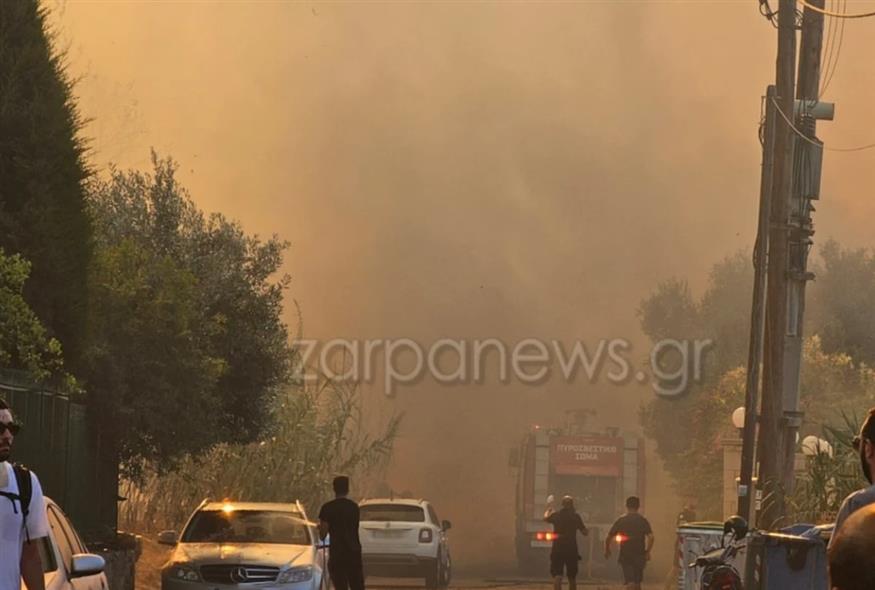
(433, 575)
(446, 573)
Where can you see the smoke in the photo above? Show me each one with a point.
(467, 170)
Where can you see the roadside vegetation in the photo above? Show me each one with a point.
(313, 434)
(837, 384)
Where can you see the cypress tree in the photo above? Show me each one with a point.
(43, 213)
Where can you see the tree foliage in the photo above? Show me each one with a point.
(186, 320)
(42, 172)
(24, 344)
(842, 299)
(834, 374)
(721, 314)
(672, 311)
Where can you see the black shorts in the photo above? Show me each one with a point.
(346, 573)
(566, 562)
(633, 570)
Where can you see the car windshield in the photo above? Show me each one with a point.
(392, 512)
(247, 526)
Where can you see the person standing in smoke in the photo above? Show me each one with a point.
(339, 518)
(635, 536)
(564, 556)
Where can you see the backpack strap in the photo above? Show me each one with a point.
(25, 493)
(12, 498)
(25, 487)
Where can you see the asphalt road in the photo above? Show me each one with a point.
(154, 556)
(496, 584)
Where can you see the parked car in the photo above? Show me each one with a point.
(66, 561)
(403, 538)
(241, 544)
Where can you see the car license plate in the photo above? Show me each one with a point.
(388, 534)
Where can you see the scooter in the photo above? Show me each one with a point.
(718, 572)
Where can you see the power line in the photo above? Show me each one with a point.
(814, 142)
(810, 6)
(828, 49)
(767, 12)
(841, 37)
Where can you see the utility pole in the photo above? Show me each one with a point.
(758, 309)
(796, 183)
(772, 439)
(806, 187)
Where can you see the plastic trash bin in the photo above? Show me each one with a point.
(781, 561)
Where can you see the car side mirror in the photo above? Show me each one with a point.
(86, 564)
(446, 525)
(168, 537)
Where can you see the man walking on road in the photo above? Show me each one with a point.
(564, 555)
(339, 518)
(23, 520)
(864, 444)
(635, 537)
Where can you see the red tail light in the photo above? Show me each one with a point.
(545, 536)
(425, 536)
(621, 538)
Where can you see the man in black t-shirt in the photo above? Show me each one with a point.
(563, 555)
(339, 518)
(635, 537)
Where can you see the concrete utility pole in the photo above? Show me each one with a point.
(772, 440)
(806, 187)
(796, 183)
(758, 310)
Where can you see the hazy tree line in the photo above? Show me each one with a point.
(838, 383)
(117, 289)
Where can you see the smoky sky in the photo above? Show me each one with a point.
(467, 170)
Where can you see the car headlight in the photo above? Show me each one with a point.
(295, 575)
(183, 573)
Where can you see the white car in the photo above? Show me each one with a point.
(66, 562)
(403, 538)
(245, 545)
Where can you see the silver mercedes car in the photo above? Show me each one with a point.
(245, 544)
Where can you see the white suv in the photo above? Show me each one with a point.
(403, 538)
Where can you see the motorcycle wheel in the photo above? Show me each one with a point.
(721, 578)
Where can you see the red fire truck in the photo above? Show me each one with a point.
(599, 469)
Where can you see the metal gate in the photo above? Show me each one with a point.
(57, 444)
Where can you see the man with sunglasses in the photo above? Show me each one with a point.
(864, 444)
(19, 535)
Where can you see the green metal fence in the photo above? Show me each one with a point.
(58, 445)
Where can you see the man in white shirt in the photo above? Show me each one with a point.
(21, 530)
